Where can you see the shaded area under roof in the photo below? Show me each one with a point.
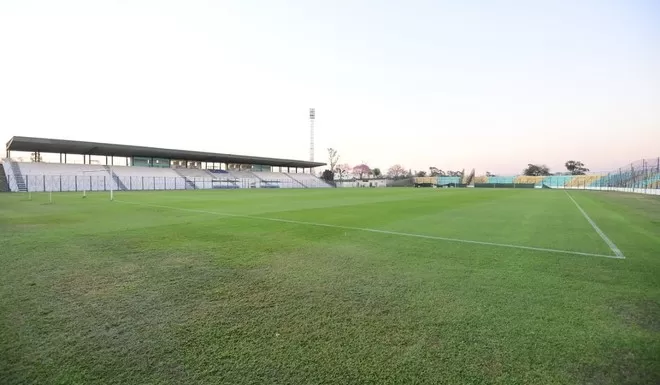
(22, 143)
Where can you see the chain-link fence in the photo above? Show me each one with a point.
(642, 176)
(63, 183)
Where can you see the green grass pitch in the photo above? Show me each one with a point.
(336, 286)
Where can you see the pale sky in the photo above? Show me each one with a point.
(491, 85)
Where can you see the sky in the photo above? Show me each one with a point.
(490, 85)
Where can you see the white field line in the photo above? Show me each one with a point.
(374, 231)
(600, 232)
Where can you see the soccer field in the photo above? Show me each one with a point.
(321, 286)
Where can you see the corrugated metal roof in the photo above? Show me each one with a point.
(22, 143)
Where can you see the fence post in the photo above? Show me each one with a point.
(154, 183)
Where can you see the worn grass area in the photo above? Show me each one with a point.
(93, 291)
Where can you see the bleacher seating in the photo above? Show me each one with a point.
(480, 179)
(277, 179)
(449, 180)
(426, 180)
(149, 178)
(500, 179)
(652, 182)
(194, 173)
(620, 179)
(79, 177)
(309, 180)
(556, 181)
(245, 179)
(525, 179)
(582, 181)
(64, 177)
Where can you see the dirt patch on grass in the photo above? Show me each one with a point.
(644, 314)
(625, 368)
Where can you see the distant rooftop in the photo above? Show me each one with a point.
(22, 143)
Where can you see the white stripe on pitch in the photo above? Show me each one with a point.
(600, 232)
(376, 231)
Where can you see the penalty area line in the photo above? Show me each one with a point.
(600, 232)
(377, 231)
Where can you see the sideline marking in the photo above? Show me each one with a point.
(375, 231)
(600, 232)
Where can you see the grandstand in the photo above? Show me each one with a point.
(147, 168)
(642, 176)
(524, 179)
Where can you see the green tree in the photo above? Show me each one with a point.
(434, 171)
(536, 170)
(328, 175)
(575, 167)
(376, 172)
(396, 171)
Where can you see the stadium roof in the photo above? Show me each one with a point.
(22, 143)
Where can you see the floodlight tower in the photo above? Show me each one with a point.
(312, 116)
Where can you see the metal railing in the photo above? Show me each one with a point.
(64, 183)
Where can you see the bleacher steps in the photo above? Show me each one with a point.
(190, 183)
(295, 180)
(20, 181)
(120, 184)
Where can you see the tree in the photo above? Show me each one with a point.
(361, 170)
(536, 170)
(333, 158)
(376, 172)
(421, 173)
(342, 169)
(575, 167)
(328, 175)
(35, 157)
(396, 171)
(434, 171)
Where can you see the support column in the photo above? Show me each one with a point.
(60, 157)
(65, 157)
(106, 160)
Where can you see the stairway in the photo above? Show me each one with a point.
(120, 185)
(20, 181)
(295, 180)
(190, 183)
